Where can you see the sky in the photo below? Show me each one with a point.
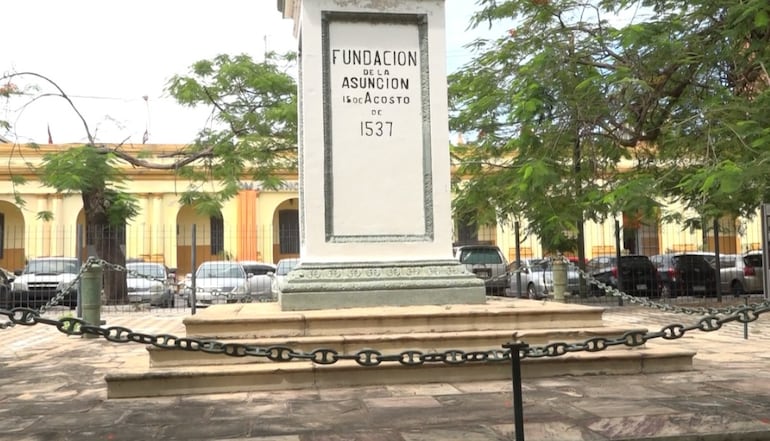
(114, 59)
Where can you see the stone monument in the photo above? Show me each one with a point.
(374, 169)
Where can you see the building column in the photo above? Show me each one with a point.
(246, 226)
(156, 225)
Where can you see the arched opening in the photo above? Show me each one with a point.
(200, 237)
(286, 230)
(12, 237)
(640, 234)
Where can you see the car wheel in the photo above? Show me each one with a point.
(595, 290)
(737, 288)
(532, 291)
(665, 291)
(72, 300)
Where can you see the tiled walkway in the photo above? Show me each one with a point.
(52, 388)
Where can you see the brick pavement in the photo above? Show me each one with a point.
(52, 388)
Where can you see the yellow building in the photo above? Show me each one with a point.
(255, 225)
(259, 224)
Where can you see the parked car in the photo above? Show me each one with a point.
(687, 274)
(151, 283)
(218, 282)
(742, 273)
(259, 279)
(42, 279)
(537, 278)
(282, 269)
(486, 262)
(638, 276)
(6, 279)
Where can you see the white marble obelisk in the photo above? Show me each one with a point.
(375, 218)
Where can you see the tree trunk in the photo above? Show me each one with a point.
(106, 242)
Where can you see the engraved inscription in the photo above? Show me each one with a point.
(376, 109)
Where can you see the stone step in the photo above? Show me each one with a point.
(391, 331)
(261, 320)
(138, 381)
(390, 343)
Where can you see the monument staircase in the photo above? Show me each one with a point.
(389, 330)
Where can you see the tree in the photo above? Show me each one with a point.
(252, 135)
(583, 113)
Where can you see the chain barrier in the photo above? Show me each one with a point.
(371, 357)
(87, 265)
(712, 321)
(666, 307)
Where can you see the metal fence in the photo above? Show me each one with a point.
(690, 266)
(182, 248)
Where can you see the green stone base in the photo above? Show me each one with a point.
(368, 284)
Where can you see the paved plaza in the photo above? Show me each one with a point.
(52, 388)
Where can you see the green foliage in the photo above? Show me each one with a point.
(253, 134)
(575, 114)
(45, 215)
(77, 169)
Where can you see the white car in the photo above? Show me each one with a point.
(281, 270)
(44, 278)
(151, 283)
(218, 282)
(260, 280)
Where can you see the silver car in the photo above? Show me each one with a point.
(281, 271)
(742, 273)
(537, 278)
(260, 280)
(150, 283)
(487, 262)
(218, 282)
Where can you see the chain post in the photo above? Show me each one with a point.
(560, 278)
(515, 349)
(745, 324)
(91, 294)
(617, 259)
(79, 255)
(518, 259)
(194, 263)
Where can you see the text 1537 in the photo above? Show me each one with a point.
(376, 128)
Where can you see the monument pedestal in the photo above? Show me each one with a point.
(363, 284)
(375, 191)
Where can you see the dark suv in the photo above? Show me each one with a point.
(637, 275)
(486, 262)
(687, 274)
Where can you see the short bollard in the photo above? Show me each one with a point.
(518, 402)
(91, 296)
(560, 279)
(746, 324)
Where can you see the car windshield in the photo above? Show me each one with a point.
(754, 260)
(146, 269)
(480, 256)
(284, 266)
(692, 260)
(220, 270)
(635, 261)
(258, 270)
(52, 266)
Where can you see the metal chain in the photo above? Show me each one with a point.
(609, 289)
(60, 294)
(87, 265)
(372, 357)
